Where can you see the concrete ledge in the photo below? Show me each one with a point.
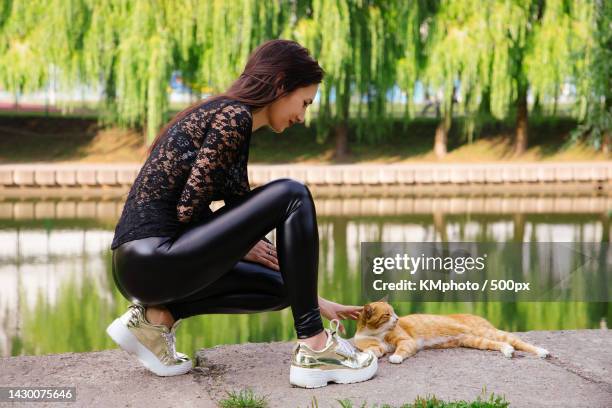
(113, 175)
(577, 375)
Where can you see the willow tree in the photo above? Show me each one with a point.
(127, 49)
(458, 60)
(549, 62)
(532, 47)
(327, 33)
(411, 39)
(487, 54)
(355, 43)
(23, 66)
(511, 27)
(208, 42)
(594, 74)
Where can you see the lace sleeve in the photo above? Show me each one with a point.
(219, 152)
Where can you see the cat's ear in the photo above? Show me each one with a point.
(385, 299)
(367, 312)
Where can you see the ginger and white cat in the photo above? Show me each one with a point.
(381, 330)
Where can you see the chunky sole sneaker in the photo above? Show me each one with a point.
(153, 345)
(339, 361)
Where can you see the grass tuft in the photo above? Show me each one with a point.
(246, 399)
(243, 399)
(482, 401)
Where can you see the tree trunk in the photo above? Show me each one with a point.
(605, 142)
(440, 140)
(485, 103)
(342, 151)
(536, 109)
(606, 136)
(441, 137)
(522, 121)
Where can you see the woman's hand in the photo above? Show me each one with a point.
(332, 310)
(263, 253)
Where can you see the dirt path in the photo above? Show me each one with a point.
(578, 375)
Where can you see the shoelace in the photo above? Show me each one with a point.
(345, 345)
(171, 342)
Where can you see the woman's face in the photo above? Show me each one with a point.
(291, 108)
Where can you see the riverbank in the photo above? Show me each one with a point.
(53, 139)
(578, 374)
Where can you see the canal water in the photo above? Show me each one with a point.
(57, 292)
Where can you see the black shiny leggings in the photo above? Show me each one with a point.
(201, 271)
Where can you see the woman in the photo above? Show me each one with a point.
(174, 258)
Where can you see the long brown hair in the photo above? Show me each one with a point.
(274, 69)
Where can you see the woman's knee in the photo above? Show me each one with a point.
(294, 188)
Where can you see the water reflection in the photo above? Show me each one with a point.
(57, 292)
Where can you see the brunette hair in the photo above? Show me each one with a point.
(274, 69)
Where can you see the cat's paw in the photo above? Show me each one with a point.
(395, 359)
(542, 352)
(507, 350)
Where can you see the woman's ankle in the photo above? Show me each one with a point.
(316, 342)
(159, 315)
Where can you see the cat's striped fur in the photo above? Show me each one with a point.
(382, 331)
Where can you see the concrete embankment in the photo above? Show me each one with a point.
(68, 175)
(578, 374)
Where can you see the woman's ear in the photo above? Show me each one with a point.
(280, 90)
(279, 84)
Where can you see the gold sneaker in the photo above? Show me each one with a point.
(339, 361)
(152, 344)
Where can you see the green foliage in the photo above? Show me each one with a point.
(493, 401)
(486, 53)
(595, 88)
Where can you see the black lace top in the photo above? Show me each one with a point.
(202, 158)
